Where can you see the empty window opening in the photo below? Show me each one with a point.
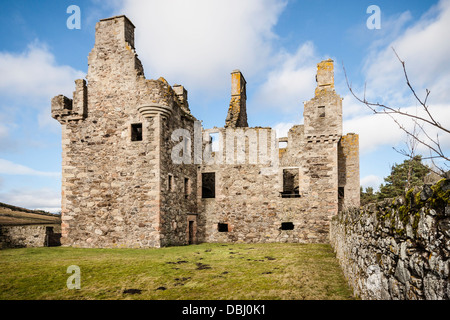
(287, 226)
(187, 188)
(290, 183)
(322, 111)
(222, 227)
(214, 141)
(136, 132)
(282, 145)
(170, 183)
(208, 185)
(341, 193)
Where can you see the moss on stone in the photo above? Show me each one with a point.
(440, 193)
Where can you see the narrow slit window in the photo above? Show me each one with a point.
(222, 227)
(170, 183)
(208, 185)
(341, 193)
(136, 132)
(187, 187)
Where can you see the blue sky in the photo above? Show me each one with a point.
(197, 43)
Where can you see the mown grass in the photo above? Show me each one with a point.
(199, 272)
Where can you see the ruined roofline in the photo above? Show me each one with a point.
(117, 17)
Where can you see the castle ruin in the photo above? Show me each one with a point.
(138, 169)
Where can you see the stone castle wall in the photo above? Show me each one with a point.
(113, 183)
(122, 188)
(398, 248)
(248, 198)
(348, 171)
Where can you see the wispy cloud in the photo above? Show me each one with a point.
(34, 74)
(421, 46)
(43, 199)
(291, 82)
(372, 181)
(11, 168)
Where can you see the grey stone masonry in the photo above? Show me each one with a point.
(123, 187)
(399, 248)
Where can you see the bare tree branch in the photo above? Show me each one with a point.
(414, 136)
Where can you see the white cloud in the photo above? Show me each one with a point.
(376, 130)
(353, 108)
(11, 168)
(292, 82)
(198, 43)
(3, 132)
(282, 128)
(34, 74)
(42, 199)
(372, 181)
(425, 52)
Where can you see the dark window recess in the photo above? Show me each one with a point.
(187, 191)
(208, 185)
(222, 227)
(322, 112)
(136, 132)
(170, 183)
(341, 193)
(287, 226)
(290, 184)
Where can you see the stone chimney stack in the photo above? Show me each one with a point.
(237, 112)
(325, 76)
(182, 96)
(114, 55)
(323, 113)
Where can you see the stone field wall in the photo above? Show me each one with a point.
(27, 236)
(398, 248)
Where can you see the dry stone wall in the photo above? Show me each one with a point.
(28, 236)
(398, 248)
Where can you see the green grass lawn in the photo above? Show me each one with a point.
(199, 272)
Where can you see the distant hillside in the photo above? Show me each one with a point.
(12, 215)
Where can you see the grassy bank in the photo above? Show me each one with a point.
(206, 271)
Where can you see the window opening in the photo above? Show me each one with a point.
(287, 226)
(341, 193)
(136, 132)
(290, 183)
(187, 190)
(322, 111)
(222, 227)
(170, 183)
(208, 185)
